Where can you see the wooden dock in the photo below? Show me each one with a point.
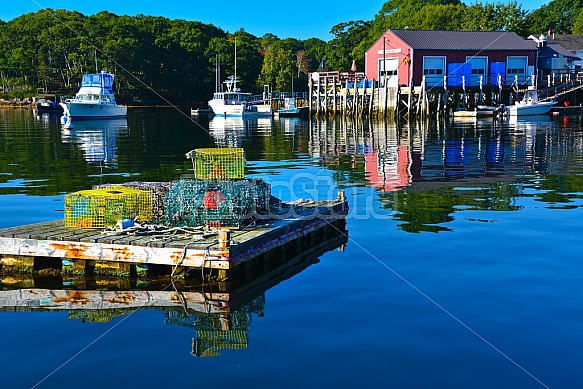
(221, 255)
(219, 312)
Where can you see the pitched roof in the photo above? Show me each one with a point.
(463, 40)
(568, 41)
(553, 48)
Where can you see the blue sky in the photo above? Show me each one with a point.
(299, 19)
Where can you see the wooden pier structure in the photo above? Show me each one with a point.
(221, 255)
(351, 94)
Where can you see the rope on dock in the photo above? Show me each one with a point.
(161, 232)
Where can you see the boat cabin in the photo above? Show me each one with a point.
(530, 96)
(238, 97)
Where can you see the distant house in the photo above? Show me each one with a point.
(404, 56)
(553, 59)
(573, 43)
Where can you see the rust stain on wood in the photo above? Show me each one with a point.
(122, 298)
(75, 297)
(73, 251)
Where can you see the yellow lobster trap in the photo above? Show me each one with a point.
(218, 163)
(101, 208)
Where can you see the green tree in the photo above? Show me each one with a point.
(278, 68)
(438, 17)
(249, 57)
(495, 17)
(558, 15)
(342, 49)
(578, 27)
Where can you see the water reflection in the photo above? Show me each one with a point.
(219, 312)
(230, 131)
(97, 138)
(424, 173)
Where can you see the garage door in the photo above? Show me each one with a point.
(392, 67)
(434, 70)
(479, 67)
(516, 68)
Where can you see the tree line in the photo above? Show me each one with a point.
(156, 58)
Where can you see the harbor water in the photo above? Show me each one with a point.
(460, 268)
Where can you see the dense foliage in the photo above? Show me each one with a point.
(155, 58)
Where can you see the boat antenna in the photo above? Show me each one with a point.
(96, 69)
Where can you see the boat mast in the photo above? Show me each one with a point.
(218, 73)
(235, 80)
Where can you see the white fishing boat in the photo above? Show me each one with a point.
(233, 102)
(95, 99)
(530, 104)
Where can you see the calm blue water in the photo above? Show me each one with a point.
(462, 267)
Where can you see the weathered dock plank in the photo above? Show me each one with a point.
(194, 250)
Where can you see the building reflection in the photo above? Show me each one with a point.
(220, 313)
(426, 172)
(392, 157)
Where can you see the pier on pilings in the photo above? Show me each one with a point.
(350, 94)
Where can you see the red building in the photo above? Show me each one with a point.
(465, 57)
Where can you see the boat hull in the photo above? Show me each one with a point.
(94, 110)
(293, 112)
(241, 110)
(534, 109)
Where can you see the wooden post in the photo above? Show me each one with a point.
(371, 102)
(355, 101)
(326, 95)
(318, 95)
(386, 98)
(224, 239)
(445, 98)
(17, 263)
(108, 268)
(345, 102)
(310, 89)
(410, 97)
(334, 108)
(73, 266)
(363, 109)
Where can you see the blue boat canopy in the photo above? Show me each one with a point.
(99, 80)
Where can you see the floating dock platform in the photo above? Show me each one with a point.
(219, 255)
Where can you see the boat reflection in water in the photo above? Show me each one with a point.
(230, 131)
(97, 138)
(220, 312)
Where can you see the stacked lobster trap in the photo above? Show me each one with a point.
(104, 207)
(218, 194)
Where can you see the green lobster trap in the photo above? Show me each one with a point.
(218, 163)
(219, 203)
(101, 208)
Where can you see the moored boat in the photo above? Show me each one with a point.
(233, 102)
(530, 104)
(47, 103)
(95, 99)
(290, 110)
